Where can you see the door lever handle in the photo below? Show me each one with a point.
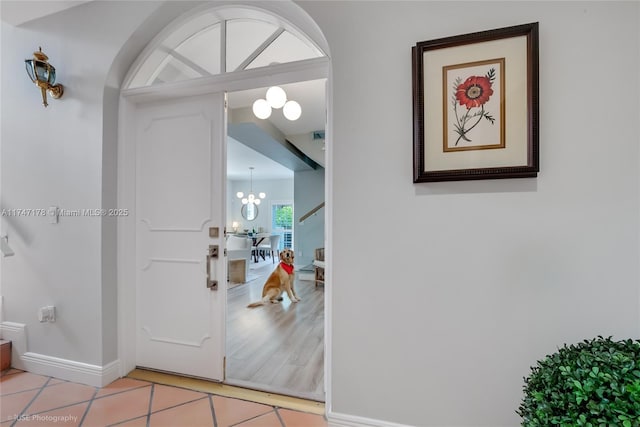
(212, 252)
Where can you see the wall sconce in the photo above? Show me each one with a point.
(43, 75)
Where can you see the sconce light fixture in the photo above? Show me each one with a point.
(43, 75)
(276, 98)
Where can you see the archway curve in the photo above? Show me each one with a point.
(206, 44)
(166, 15)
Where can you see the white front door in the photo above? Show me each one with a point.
(179, 194)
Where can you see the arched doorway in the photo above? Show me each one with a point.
(168, 75)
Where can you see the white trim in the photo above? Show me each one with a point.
(312, 69)
(70, 370)
(17, 334)
(328, 252)
(277, 13)
(78, 372)
(126, 243)
(308, 69)
(344, 420)
(258, 51)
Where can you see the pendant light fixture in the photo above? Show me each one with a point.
(251, 198)
(276, 98)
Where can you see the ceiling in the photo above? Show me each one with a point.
(240, 158)
(19, 11)
(310, 95)
(312, 99)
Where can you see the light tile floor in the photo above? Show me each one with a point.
(27, 399)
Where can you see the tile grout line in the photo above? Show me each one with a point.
(279, 416)
(80, 401)
(213, 410)
(179, 404)
(22, 413)
(148, 415)
(273, 408)
(86, 410)
(209, 395)
(18, 392)
(90, 401)
(153, 389)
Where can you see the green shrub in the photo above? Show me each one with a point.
(593, 383)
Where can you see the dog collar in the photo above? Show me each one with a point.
(288, 268)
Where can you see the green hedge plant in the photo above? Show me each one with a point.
(593, 383)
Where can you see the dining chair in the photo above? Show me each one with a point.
(260, 246)
(272, 246)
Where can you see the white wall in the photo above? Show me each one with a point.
(309, 193)
(472, 282)
(480, 279)
(54, 157)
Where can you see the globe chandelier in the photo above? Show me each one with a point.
(251, 198)
(276, 97)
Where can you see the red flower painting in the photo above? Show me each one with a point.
(472, 94)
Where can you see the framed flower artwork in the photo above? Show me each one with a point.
(475, 106)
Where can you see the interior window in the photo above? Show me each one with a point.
(195, 48)
(244, 37)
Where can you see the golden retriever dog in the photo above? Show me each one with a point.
(281, 280)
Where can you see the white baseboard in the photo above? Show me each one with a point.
(17, 334)
(84, 373)
(70, 370)
(344, 420)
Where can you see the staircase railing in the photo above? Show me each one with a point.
(311, 212)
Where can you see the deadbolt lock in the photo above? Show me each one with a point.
(213, 251)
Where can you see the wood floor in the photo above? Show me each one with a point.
(276, 347)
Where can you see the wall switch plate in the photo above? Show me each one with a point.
(47, 314)
(54, 214)
(4, 246)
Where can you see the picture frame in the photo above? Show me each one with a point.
(475, 106)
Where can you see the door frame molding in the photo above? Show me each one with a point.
(126, 163)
